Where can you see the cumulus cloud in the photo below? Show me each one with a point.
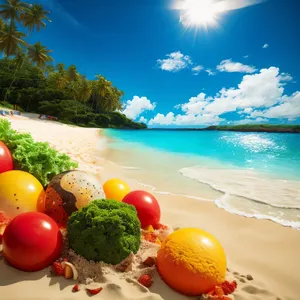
(259, 96)
(197, 69)
(265, 46)
(187, 119)
(287, 108)
(228, 65)
(143, 120)
(174, 62)
(136, 106)
(286, 77)
(210, 72)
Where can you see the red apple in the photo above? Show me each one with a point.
(147, 207)
(32, 241)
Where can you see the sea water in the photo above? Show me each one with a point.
(251, 174)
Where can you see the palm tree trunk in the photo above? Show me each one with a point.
(12, 82)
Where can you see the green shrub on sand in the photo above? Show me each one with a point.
(36, 158)
(105, 230)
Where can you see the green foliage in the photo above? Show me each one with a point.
(105, 230)
(258, 128)
(36, 158)
(30, 81)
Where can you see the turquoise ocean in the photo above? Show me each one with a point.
(250, 174)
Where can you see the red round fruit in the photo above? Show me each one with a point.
(32, 241)
(147, 207)
(6, 161)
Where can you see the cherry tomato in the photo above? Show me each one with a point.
(147, 207)
(6, 161)
(32, 241)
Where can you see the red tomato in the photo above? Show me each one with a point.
(147, 207)
(6, 161)
(32, 241)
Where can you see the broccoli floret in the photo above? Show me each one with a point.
(105, 230)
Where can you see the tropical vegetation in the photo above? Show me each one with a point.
(36, 158)
(30, 79)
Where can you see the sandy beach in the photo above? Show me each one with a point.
(263, 257)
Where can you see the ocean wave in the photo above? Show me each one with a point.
(223, 203)
(248, 184)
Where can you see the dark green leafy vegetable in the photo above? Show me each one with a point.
(36, 158)
(105, 230)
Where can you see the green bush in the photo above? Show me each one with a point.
(36, 158)
(105, 230)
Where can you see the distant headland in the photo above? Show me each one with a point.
(243, 128)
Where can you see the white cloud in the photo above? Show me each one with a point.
(248, 110)
(162, 119)
(246, 56)
(228, 65)
(171, 119)
(136, 106)
(174, 62)
(143, 120)
(265, 46)
(263, 89)
(210, 72)
(197, 69)
(287, 108)
(286, 77)
(196, 104)
(259, 96)
(250, 121)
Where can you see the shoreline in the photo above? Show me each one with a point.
(252, 246)
(235, 189)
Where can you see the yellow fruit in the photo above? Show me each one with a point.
(191, 261)
(20, 192)
(115, 189)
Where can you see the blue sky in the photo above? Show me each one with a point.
(246, 69)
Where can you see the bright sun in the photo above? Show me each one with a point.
(198, 13)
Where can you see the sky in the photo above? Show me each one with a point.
(242, 67)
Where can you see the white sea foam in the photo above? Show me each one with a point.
(255, 196)
(223, 203)
(248, 184)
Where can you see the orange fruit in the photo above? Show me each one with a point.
(116, 189)
(191, 261)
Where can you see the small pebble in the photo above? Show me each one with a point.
(242, 280)
(249, 277)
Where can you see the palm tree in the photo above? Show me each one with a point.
(102, 85)
(49, 69)
(2, 24)
(35, 17)
(60, 67)
(58, 80)
(101, 89)
(72, 74)
(19, 60)
(38, 54)
(12, 10)
(11, 40)
(84, 90)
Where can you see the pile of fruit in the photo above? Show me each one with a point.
(32, 218)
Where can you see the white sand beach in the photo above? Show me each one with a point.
(263, 250)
